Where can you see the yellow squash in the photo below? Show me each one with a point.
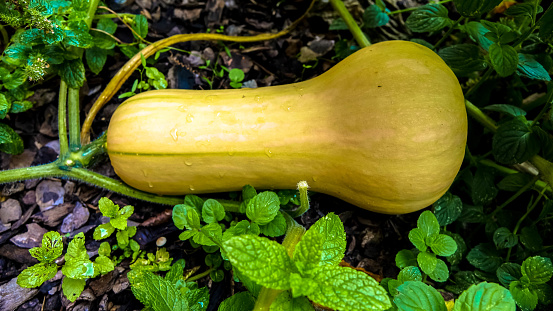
(384, 129)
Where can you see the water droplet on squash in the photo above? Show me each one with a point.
(189, 118)
(174, 133)
(191, 188)
(144, 173)
(187, 162)
(210, 98)
(314, 178)
(182, 108)
(268, 152)
(150, 184)
(221, 174)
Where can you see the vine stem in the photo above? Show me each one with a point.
(357, 33)
(126, 71)
(74, 116)
(449, 31)
(62, 119)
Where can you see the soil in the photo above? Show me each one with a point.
(70, 207)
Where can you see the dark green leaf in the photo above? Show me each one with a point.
(96, 59)
(423, 43)
(275, 228)
(375, 17)
(463, 59)
(17, 78)
(107, 25)
(485, 257)
(531, 68)
(447, 209)
(525, 298)
(472, 214)
(405, 258)
(514, 182)
(504, 59)
(508, 272)
(514, 142)
(531, 239)
(485, 296)
(10, 141)
(19, 106)
(72, 72)
(77, 35)
(473, 8)
(521, 9)
(428, 18)
(546, 24)
(414, 295)
(478, 32)
(483, 189)
(457, 256)
(511, 110)
(31, 36)
(504, 238)
(141, 26)
(538, 269)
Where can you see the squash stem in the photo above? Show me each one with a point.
(480, 116)
(304, 200)
(357, 33)
(126, 71)
(62, 119)
(74, 120)
(294, 233)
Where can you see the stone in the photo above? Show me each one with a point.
(49, 193)
(10, 210)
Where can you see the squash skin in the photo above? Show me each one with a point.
(384, 129)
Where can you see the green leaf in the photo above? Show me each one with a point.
(185, 235)
(236, 75)
(538, 269)
(212, 211)
(531, 68)
(260, 259)
(323, 244)
(508, 272)
(72, 288)
(428, 223)
(141, 26)
(122, 239)
(10, 141)
(300, 286)
(463, 280)
(427, 262)
(103, 264)
(405, 258)
(51, 249)
(457, 256)
(263, 208)
(17, 78)
(19, 106)
(483, 189)
(514, 182)
(443, 245)
(504, 238)
(417, 296)
(524, 297)
(242, 227)
(73, 73)
(276, 227)
(499, 33)
(35, 275)
(156, 292)
(463, 59)
(473, 8)
(348, 289)
(77, 35)
(418, 238)
(375, 17)
(285, 302)
(447, 209)
(194, 201)
(546, 24)
(248, 193)
(410, 273)
(186, 216)
(428, 18)
(96, 59)
(514, 142)
(484, 257)
(103, 231)
(176, 272)
(243, 301)
(18, 51)
(485, 296)
(521, 10)
(478, 32)
(544, 292)
(107, 25)
(209, 235)
(504, 59)
(440, 273)
(511, 110)
(530, 237)
(198, 299)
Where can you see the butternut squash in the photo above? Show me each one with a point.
(384, 129)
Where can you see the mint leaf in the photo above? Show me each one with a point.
(375, 17)
(186, 216)
(440, 272)
(19, 106)
(103, 264)
(96, 59)
(483, 189)
(415, 295)
(508, 272)
(410, 273)
(484, 257)
(538, 269)
(531, 239)
(242, 227)
(478, 32)
(524, 297)
(77, 263)
(531, 68)
(546, 24)
(107, 207)
(514, 142)
(485, 296)
(463, 59)
(348, 289)
(323, 244)
(243, 301)
(120, 220)
(107, 25)
(458, 255)
(427, 262)
(72, 288)
(35, 275)
(51, 249)
(10, 141)
(276, 227)
(285, 302)
(5, 106)
(301, 286)
(428, 18)
(263, 208)
(72, 72)
(473, 8)
(209, 235)
(447, 209)
(212, 211)
(194, 201)
(156, 292)
(103, 231)
(504, 59)
(141, 26)
(260, 259)
(176, 272)
(504, 238)
(418, 237)
(511, 110)
(185, 235)
(443, 245)
(428, 223)
(405, 258)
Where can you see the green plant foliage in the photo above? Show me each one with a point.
(428, 18)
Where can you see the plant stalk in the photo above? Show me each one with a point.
(74, 117)
(62, 119)
(357, 33)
